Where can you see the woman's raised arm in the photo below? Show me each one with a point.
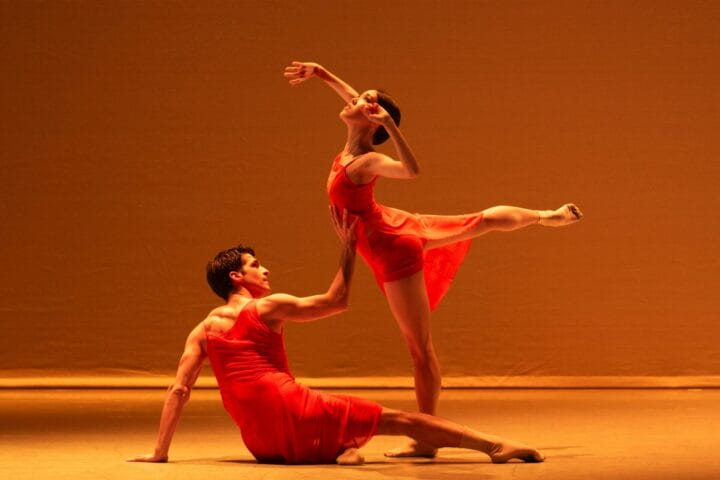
(382, 165)
(298, 72)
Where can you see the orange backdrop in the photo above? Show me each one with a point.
(138, 139)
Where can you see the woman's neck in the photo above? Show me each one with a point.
(359, 141)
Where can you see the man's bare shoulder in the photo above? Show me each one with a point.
(270, 309)
(267, 304)
(222, 312)
(220, 319)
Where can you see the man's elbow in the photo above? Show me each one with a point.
(339, 304)
(413, 172)
(180, 391)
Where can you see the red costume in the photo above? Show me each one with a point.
(392, 241)
(282, 421)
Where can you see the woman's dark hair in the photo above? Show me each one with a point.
(387, 102)
(218, 269)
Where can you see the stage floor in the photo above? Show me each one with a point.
(585, 434)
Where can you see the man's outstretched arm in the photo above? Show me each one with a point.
(178, 394)
(274, 309)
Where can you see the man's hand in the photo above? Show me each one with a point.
(345, 232)
(298, 72)
(150, 458)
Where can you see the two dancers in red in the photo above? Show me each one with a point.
(414, 257)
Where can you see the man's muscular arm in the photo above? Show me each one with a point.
(274, 309)
(178, 394)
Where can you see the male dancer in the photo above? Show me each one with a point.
(280, 420)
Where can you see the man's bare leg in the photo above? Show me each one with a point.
(439, 432)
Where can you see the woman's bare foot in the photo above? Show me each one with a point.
(351, 456)
(413, 449)
(565, 215)
(504, 450)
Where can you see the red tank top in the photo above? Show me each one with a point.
(248, 350)
(279, 419)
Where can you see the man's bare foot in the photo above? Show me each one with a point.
(351, 456)
(504, 450)
(413, 449)
(565, 215)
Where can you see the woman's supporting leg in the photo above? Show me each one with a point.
(409, 304)
(439, 432)
(507, 219)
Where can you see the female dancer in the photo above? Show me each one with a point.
(414, 257)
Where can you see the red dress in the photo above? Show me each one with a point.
(392, 241)
(280, 420)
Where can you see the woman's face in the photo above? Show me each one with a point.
(353, 110)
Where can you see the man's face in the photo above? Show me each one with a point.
(255, 277)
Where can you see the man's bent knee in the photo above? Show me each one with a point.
(394, 422)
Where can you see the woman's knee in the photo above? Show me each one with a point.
(422, 353)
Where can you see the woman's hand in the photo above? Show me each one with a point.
(150, 458)
(345, 232)
(376, 113)
(298, 72)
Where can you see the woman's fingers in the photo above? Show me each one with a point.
(297, 73)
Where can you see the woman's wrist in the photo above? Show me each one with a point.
(320, 72)
(389, 125)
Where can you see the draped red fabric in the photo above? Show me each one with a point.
(385, 236)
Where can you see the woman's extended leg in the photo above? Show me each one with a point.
(439, 432)
(506, 219)
(409, 304)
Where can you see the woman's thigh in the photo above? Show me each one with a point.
(409, 304)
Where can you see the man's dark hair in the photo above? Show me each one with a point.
(218, 269)
(389, 104)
